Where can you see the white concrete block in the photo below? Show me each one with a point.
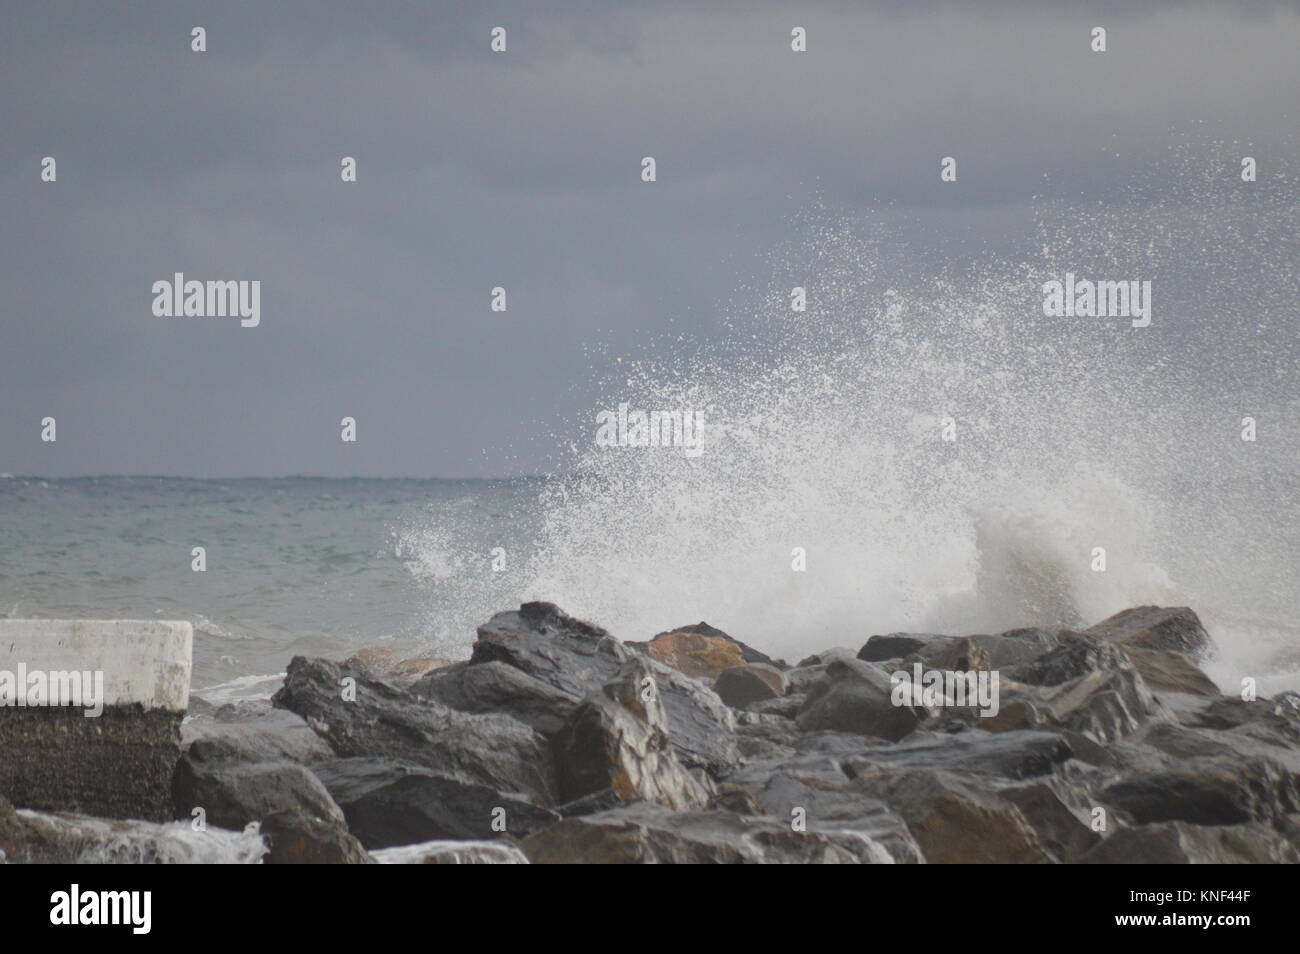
(144, 661)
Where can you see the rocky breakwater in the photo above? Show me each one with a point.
(560, 741)
(555, 742)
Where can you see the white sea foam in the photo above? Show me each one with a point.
(825, 433)
(241, 688)
(140, 842)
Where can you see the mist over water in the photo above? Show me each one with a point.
(823, 432)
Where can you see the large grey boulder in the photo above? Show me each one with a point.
(743, 686)
(1207, 791)
(1156, 627)
(1074, 656)
(1018, 646)
(499, 687)
(855, 696)
(232, 794)
(1008, 755)
(955, 819)
(816, 790)
(383, 721)
(276, 736)
(618, 740)
(577, 658)
(389, 803)
(1166, 670)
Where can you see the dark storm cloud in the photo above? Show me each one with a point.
(520, 170)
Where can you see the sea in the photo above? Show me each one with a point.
(915, 451)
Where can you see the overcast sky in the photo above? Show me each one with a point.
(521, 170)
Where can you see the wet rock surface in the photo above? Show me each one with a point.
(389, 803)
(361, 716)
(557, 743)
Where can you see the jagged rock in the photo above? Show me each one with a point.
(1012, 716)
(600, 801)
(961, 654)
(1008, 755)
(1156, 627)
(499, 687)
(900, 645)
(1083, 685)
(1207, 791)
(1102, 706)
(618, 739)
(702, 657)
(786, 707)
(278, 736)
(385, 721)
(943, 653)
(548, 644)
(824, 657)
(1165, 670)
(390, 803)
(742, 686)
(802, 678)
(233, 794)
(956, 821)
(1058, 812)
(1271, 721)
(384, 662)
(651, 834)
(577, 658)
(453, 853)
(1076, 655)
(816, 788)
(1017, 646)
(768, 740)
(1177, 743)
(747, 653)
(1178, 843)
(855, 696)
(295, 839)
(1288, 701)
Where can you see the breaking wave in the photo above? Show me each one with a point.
(825, 433)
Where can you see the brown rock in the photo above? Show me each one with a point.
(703, 657)
(1170, 671)
(1156, 627)
(955, 821)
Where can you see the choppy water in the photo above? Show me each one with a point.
(294, 566)
(824, 434)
